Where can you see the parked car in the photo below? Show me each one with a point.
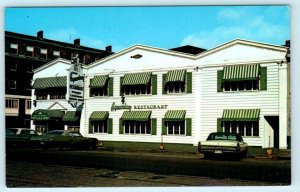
(19, 137)
(221, 143)
(64, 139)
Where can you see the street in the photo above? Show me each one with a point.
(25, 174)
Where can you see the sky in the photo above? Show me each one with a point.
(164, 27)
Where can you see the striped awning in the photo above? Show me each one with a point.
(175, 76)
(72, 116)
(136, 115)
(99, 115)
(99, 81)
(137, 78)
(50, 82)
(43, 114)
(241, 72)
(175, 115)
(241, 114)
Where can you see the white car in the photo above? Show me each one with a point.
(222, 143)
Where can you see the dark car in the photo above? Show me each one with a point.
(19, 137)
(222, 143)
(64, 139)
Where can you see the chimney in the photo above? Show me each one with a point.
(288, 43)
(40, 34)
(108, 49)
(77, 42)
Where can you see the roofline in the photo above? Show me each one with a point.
(51, 63)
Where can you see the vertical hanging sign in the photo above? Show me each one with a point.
(75, 83)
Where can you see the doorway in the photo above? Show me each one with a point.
(273, 121)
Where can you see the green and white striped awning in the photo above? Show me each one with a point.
(241, 72)
(136, 115)
(99, 81)
(44, 115)
(50, 82)
(175, 115)
(71, 116)
(176, 75)
(241, 114)
(137, 78)
(99, 115)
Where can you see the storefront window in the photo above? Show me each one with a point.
(137, 127)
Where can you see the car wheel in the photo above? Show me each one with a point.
(91, 146)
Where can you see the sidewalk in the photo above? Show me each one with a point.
(189, 150)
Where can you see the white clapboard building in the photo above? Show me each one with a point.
(145, 94)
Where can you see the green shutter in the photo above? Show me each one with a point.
(110, 126)
(154, 84)
(219, 125)
(90, 127)
(189, 82)
(121, 127)
(110, 86)
(188, 126)
(91, 88)
(220, 81)
(153, 126)
(121, 89)
(163, 127)
(164, 89)
(263, 78)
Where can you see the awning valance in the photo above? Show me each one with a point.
(99, 115)
(175, 115)
(136, 115)
(241, 114)
(99, 81)
(43, 114)
(241, 72)
(137, 78)
(50, 82)
(176, 76)
(72, 116)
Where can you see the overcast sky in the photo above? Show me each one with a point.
(164, 27)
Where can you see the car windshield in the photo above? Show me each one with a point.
(222, 136)
(54, 133)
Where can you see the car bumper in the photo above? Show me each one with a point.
(219, 150)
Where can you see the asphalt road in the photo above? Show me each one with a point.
(27, 174)
(270, 171)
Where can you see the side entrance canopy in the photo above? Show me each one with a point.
(44, 115)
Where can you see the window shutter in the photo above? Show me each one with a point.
(263, 78)
(188, 124)
(110, 86)
(110, 126)
(90, 127)
(153, 126)
(121, 127)
(219, 125)
(154, 84)
(164, 90)
(91, 88)
(163, 127)
(121, 90)
(189, 82)
(220, 80)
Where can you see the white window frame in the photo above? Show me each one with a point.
(173, 128)
(11, 103)
(56, 53)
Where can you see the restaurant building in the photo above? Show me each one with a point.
(146, 94)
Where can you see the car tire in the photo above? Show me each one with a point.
(91, 146)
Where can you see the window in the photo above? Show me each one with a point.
(43, 53)
(29, 51)
(57, 95)
(175, 87)
(12, 103)
(137, 89)
(73, 127)
(137, 127)
(139, 84)
(29, 69)
(14, 48)
(40, 128)
(12, 84)
(177, 81)
(28, 104)
(244, 128)
(13, 66)
(249, 85)
(176, 127)
(56, 54)
(99, 126)
(41, 95)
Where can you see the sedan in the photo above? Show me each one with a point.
(221, 143)
(64, 139)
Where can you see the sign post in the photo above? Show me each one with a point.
(75, 83)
